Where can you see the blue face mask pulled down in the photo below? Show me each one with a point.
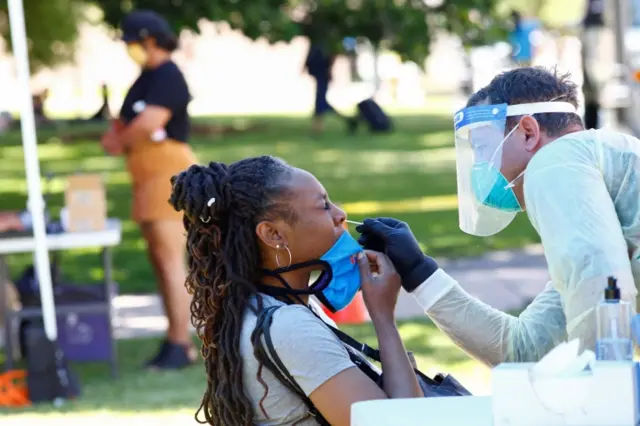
(490, 188)
(344, 283)
(339, 281)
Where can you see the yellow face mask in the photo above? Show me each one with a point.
(137, 54)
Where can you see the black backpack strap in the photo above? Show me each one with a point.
(371, 353)
(365, 349)
(269, 357)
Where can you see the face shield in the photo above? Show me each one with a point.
(486, 200)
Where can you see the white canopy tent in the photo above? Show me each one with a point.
(32, 166)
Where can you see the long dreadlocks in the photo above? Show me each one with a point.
(224, 264)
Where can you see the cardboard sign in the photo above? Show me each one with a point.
(86, 203)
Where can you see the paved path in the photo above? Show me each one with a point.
(505, 280)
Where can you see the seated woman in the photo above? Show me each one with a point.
(256, 231)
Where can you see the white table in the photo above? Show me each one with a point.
(449, 411)
(105, 239)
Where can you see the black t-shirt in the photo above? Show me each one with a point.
(164, 86)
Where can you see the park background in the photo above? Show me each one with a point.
(258, 89)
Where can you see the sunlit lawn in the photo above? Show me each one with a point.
(409, 174)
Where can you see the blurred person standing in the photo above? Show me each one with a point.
(152, 133)
(594, 46)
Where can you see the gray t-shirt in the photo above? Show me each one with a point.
(308, 349)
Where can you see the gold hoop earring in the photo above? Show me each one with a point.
(278, 259)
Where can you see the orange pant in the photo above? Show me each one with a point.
(151, 165)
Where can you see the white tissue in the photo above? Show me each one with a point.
(563, 369)
(563, 360)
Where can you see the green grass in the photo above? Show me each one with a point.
(409, 174)
(155, 395)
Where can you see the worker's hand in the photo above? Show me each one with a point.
(380, 285)
(395, 239)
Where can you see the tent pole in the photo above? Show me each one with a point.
(32, 166)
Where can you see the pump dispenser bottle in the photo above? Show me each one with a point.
(614, 326)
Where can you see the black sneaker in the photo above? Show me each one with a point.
(171, 356)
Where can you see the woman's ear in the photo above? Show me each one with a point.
(531, 129)
(270, 235)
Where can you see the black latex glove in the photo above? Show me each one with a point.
(394, 238)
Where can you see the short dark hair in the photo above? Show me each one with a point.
(528, 85)
(167, 42)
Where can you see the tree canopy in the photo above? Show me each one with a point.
(52, 29)
(405, 26)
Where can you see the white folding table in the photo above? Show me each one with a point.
(105, 239)
(449, 411)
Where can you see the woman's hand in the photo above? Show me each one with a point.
(110, 140)
(380, 293)
(380, 289)
(111, 143)
(117, 125)
(395, 238)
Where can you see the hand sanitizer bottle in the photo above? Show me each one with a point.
(614, 326)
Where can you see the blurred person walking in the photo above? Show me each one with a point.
(319, 64)
(594, 65)
(152, 133)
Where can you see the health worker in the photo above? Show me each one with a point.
(521, 146)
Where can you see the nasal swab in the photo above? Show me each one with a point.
(354, 222)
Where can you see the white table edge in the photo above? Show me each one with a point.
(109, 237)
(453, 411)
